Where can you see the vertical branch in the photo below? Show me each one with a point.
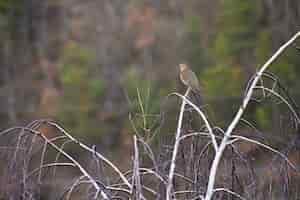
(176, 146)
(136, 185)
(11, 94)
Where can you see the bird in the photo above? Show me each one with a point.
(189, 78)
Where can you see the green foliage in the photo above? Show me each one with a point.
(262, 116)
(223, 89)
(6, 5)
(287, 67)
(263, 47)
(221, 81)
(144, 101)
(150, 91)
(82, 90)
(10, 10)
(237, 29)
(238, 39)
(196, 54)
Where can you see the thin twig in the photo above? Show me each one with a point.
(238, 137)
(230, 192)
(95, 152)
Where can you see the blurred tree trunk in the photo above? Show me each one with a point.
(9, 91)
(48, 31)
(30, 48)
(283, 18)
(111, 57)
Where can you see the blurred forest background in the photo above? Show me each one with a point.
(87, 63)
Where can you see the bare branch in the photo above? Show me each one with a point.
(95, 152)
(240, 112)
(229, 191)
(175, 150)
(202, 115)
(136, 179)
(238, 137)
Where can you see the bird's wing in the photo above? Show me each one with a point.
(193, 80)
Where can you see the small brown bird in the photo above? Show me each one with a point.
(189, 78)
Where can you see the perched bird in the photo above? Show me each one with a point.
(189, 78)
